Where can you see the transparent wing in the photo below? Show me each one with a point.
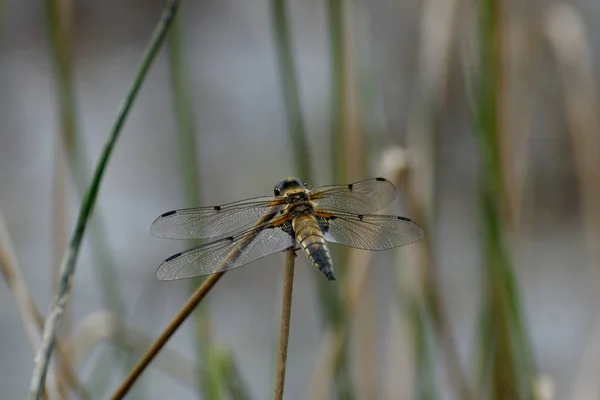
(209, 222)
(370, 232)
(364, 197)
(225, 254)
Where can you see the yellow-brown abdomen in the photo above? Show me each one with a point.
(310, 237)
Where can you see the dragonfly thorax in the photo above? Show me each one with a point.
(299, 208)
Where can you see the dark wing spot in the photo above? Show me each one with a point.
(174, 256)
(405, 219)
(332, 217)
(350, 186)
(168, 213)
(230, 238)
(217, 208)
(380, 179)
(360, 216)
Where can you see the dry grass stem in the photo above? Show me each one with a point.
(400, 165)
(364, 345)
(27, 310)
(438, 28)
(334, 341)
(365, 377)
(523, 96)
(567, 34)
(359, 264)
(12, 274)
(59, 218)
(284, 330)
(565, 28)
(399, 372)
(181, 316)
(350, 112)
(30, 315)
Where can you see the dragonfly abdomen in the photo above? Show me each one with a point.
(310, 237)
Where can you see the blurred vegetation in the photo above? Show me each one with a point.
(476, 48)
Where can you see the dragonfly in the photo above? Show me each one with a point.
(261, 226)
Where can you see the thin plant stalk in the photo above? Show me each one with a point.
(30, 315)
(67, 269)
(352, 150)
(211, 374)
(158, 344)
(421, 291)
(234, 382)
(186, 127)
(25, 304)
(338, 77)
(291, 96)
(341, 81)
(284, 330)
(72, 139)
(334, 342)
(568, 36)
(60, 23)
(328, 298)
(570, 42)
(510, 354)
(523, 98)
(185, 312)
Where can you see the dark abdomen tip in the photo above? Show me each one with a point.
(329, 275)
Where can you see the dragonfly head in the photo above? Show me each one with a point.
(290, 185)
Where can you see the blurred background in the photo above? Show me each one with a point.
(485, 115)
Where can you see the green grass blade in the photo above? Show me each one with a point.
(67, 269)
(337, 77)
(211, 374)
(331, 296)
(291, 96)
(184, 118)
(106, 274)
(511, 360)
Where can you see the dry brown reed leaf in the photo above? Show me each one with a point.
(359, 264)
(567, 34)
(400, 371)
(366, 366)
(438, 32)
(522, 52)
(354, 142)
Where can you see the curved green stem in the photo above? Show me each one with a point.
(67, 268)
